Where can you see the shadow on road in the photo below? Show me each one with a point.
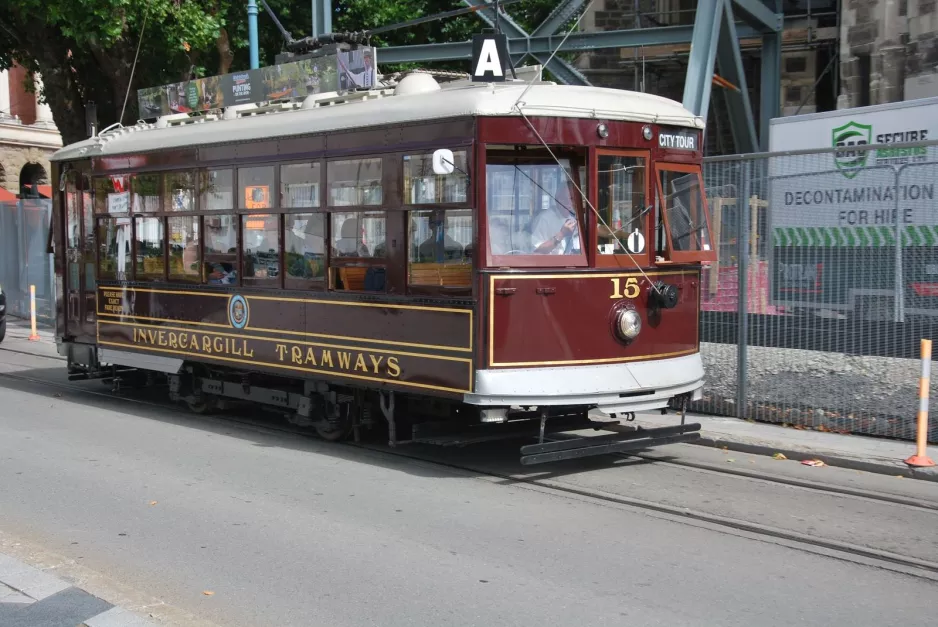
(264, 429)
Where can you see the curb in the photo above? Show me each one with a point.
(831, 459)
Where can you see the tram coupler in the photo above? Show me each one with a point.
(618, 442)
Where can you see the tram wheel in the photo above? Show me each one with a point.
(202, 406)
(334, 431)
(337, 429)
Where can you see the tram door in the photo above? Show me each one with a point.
(79, 259)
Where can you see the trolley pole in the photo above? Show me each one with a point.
(34, 335)
(920, 459)
(252, 33)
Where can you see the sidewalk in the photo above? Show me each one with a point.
(17, 339)
(856, 452)
(30, 597)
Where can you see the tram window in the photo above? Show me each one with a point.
(255, 185)
(299, 185)
(261, 247)
(304, 248)
(440, 247)
(179, 189)
(184, 261)
(423, 187)
(114, 248)
(355, 183)
(685, 213)
(359, 235)
(532, 209)
(221, 249)
(621, 201)
(112, 194)
(72, 214)
(149, 244)
(216, 186)
(87, 213)
(146, 193)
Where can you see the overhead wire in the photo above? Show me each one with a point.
(519, 106)
(130, 81)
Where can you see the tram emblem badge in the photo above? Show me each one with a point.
(238, 312)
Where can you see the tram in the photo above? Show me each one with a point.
(448, 260)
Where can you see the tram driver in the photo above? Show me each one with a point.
(555, 229)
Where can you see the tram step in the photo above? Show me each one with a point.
(637, 440)
(444, 434)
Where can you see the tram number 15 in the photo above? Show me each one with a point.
(630, 290)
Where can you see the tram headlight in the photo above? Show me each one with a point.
(629, 324)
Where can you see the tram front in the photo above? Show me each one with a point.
(590, 274)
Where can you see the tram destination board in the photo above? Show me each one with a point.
(343, 71)
(404, 346)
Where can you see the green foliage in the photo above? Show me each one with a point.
(85, 49)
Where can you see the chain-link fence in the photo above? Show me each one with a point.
(24, 260)
(815, 314)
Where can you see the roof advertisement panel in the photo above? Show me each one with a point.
(344, 71)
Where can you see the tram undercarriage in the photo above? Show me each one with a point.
(340, 412)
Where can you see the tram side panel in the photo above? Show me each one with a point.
(407, 347)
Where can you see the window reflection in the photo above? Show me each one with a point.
(531, 209)
(305, 246)
(422, 186)
(221, 250)
(255, 185)
(261, 247)
(440, 247)
(146, 193)
(217, 186)
(621, 202)
(112, 194)
(358, 234)
(685, 211)
(149, 246)
(114, 242)
(355, 182)
(180, 191)
(299, 185)
(72, 215)
(184, 262)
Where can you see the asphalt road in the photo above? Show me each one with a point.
(285, 530)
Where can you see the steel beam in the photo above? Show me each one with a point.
(730, 62)
(703, 51)
(565, 72)
(758, 15)
(546, 44)
(771, 76)
(558, 17)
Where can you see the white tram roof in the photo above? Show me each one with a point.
(414, 99)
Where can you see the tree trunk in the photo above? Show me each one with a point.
(225, 54)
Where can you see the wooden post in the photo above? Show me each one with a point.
(718, 204)
(757, 295)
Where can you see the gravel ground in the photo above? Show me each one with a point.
(823, 390)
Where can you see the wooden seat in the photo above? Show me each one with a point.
(450, 275)
(353, 278)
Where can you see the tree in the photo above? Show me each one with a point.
(87, 50)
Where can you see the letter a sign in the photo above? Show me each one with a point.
(489, 54)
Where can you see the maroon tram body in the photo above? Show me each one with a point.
(159, 232)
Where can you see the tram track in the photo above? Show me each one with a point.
(835, 549)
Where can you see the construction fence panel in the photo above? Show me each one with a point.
(24, 258)
(827, 281)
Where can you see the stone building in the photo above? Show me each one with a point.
(808, 81)
(28, 137)
(888, 51)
